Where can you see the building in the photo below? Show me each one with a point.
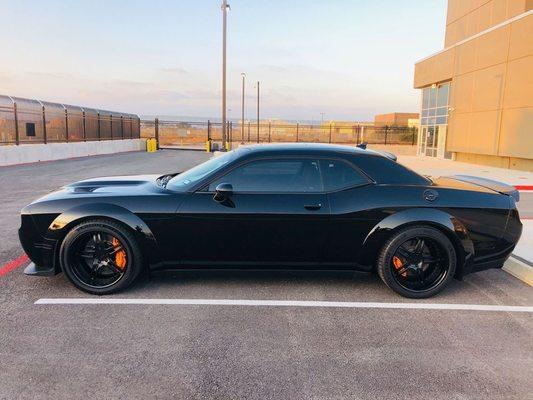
(477, 93)
(394, 119)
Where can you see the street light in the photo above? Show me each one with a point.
(243, 76)
(225, 8)
(257, 86)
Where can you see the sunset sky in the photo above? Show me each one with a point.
(349, 59)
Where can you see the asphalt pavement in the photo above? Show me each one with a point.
(199, 351)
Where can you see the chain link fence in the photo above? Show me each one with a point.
(195, 134)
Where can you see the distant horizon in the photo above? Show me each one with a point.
(348, 59)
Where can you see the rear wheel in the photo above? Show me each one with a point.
(417, 262)
(100, 257)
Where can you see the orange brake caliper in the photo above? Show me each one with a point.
(398, 264)
(120, 256)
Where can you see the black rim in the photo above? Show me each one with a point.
(98, 259)
(420, 264)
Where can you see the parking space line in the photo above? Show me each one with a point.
(284, 303)
(11, 265)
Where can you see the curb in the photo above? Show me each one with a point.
(519, 269)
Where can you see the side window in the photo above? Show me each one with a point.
(339, 174)
(278, 176)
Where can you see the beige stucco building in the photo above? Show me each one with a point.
(394, 119)
(477, 93)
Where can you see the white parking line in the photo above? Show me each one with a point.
(287, 303)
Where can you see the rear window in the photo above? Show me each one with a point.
(339, 175)
(386, 171)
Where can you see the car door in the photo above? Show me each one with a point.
(276, 216)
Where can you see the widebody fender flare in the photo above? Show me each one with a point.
(440, 219)
(65, 221)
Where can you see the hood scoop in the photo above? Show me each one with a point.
(111, 183)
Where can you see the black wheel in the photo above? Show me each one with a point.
(100, 257)
(417, 262)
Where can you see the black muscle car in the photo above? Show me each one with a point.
(289, 206)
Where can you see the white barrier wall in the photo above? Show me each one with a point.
(28, 153)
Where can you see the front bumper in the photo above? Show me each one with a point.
(36, 270)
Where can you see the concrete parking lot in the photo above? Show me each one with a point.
(229, 351)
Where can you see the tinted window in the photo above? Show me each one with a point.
(277, 176)
(384, 170)
(338, 174)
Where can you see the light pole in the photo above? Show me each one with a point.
(225, 7)
(243, 76)
(322, 115)
(257, 111)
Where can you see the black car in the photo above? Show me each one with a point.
(285, 206)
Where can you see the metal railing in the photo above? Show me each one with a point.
(33, 121)
(190, 133)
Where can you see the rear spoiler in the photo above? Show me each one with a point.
(499, 187)
(390, 156)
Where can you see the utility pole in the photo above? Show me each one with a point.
(243, 76)
(225, 7)
(322, 116)
(258, 111)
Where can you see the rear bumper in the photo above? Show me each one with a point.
(493, 261)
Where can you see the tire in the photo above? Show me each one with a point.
(406, 275)
(111, 277)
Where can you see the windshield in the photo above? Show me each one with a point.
(189, 178)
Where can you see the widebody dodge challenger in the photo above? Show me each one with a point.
(284, 206)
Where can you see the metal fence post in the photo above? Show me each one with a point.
(358, 129)
(208, 130)
(413, 140)
(17, 137)
(66, 124)
(386, 131)
(269, 132)
(99, 128)
(258, 140)
(297, 130)
(330, 133)
(248, 131)
(156, 130)
(84, 124)
(44, 125)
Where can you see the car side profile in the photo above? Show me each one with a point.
(284, 206)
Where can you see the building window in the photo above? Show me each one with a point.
(434, 114)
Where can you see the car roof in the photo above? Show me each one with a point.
(297, 148)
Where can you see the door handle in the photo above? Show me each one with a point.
(313, 207)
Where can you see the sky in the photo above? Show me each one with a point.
(348, 59)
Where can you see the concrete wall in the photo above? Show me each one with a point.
(469, 17)
(28, 153)
(491, 94)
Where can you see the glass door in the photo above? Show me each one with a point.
(432, 140)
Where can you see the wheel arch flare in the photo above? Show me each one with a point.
(68, 219)
(439, 219)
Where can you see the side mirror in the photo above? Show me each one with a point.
(223, 192)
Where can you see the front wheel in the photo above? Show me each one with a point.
(417, 262)
(100, 257)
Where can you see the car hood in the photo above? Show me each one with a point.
(113, 183)
(131, 185)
